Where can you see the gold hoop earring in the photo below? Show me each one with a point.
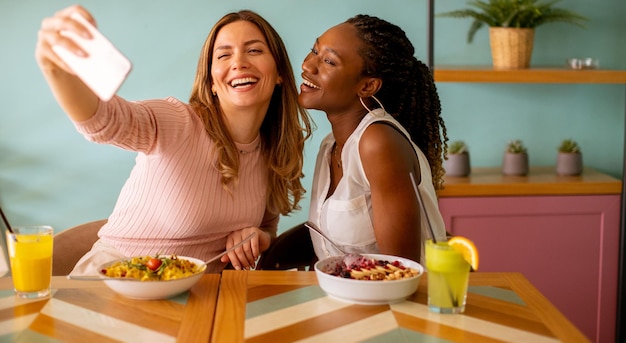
(379, 104)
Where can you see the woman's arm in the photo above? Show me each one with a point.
(388, 158)
(74, 97)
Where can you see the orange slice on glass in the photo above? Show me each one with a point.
(467, 248)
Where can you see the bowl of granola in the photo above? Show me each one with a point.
(368, 279)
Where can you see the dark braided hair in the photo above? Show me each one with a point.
(408, 89)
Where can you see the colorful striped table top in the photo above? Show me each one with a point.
(88, 311)
(289, 306)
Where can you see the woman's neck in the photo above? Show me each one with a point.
(244, 126)
(344, 124)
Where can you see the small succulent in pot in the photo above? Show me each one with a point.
(457, 162)
(569, 146)
(569, 160)
(515, 159)
(457, 147)
(516, 147)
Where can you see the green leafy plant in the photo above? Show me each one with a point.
(569, 146)
(516, 147)
(514, 14)
(457, 147)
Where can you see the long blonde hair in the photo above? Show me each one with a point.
(283, 132)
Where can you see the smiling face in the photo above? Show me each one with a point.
(243, 70)
(331, 74)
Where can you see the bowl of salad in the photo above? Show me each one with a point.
(369, 279)
(152, 277)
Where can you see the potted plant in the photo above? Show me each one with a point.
(515, 160)
(457, 162)
(512, 26)
(569, 160)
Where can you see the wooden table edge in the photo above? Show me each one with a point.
(560, 326)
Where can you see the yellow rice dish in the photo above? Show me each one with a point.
(148, 268)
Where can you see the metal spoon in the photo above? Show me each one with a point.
(348, 258)
(214, 258)
(319, 232)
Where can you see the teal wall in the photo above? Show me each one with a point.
(50, 174)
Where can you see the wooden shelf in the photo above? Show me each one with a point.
(531, 75)
(489, 181)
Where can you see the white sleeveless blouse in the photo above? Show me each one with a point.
(346, 216)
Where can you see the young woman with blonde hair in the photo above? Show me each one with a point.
(208, 173)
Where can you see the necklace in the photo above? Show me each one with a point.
(338, 159)
(243, 152)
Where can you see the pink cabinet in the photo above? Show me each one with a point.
(566, 245)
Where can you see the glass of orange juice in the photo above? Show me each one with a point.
(30, 253)
(448, 276)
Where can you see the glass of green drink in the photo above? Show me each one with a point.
(448, 275)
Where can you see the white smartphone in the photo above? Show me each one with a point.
(104, 70)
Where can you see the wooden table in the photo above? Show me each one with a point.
(88, 311)
(275, 306)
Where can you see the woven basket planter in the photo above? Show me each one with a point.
(511, 48)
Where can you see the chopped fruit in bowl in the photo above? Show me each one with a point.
(369, 279)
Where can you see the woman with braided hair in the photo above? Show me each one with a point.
(384, 110)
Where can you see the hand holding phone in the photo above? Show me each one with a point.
(104, 70)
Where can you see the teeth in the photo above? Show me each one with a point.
(237, 82)
(310, 84)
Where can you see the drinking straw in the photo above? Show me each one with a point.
(453, 299)
(419, 199)
(6, 222)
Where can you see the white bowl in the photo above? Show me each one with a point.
(367, 292)
(156, 289)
